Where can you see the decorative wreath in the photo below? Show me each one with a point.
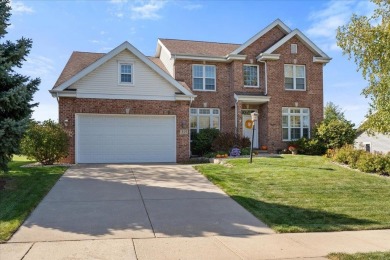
(248, 123)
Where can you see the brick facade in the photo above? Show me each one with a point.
(68, 107)
(229, 79)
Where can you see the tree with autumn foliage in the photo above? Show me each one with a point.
(366, 40)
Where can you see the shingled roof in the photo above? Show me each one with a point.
(76, 63)
(199, 47)
(80, 60)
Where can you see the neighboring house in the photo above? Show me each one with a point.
(373, 143)
(125, 107)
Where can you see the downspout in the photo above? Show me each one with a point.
(235, 116)
(265, 78)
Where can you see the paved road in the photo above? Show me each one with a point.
(160, 212)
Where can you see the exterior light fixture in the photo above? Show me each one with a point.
(66, 122)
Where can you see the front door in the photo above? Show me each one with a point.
(247, 130)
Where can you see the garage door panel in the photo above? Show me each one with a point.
(125, 138)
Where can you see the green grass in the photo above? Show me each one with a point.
(305, 193)
(25, 188)
(360, 256)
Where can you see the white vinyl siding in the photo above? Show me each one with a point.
(125, 138)
(103, 82)
(294, 77)
(295, 123)
(203, 77)
(201, 118)
(165, 58)
(251, 76)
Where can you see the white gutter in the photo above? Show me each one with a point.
(265, 77)
(235, 116)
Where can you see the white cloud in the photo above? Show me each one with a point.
(20, 8)
(192, 6)
(334, 14)
(138, 10)
(147, 10)
(38, 66)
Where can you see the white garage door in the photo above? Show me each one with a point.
(125, 138)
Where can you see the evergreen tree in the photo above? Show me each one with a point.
(16, 90)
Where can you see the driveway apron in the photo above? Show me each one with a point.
(135, 201)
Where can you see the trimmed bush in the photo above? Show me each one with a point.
(226, 141)
(309, 146)
(201, 142)
(45, 142)
(366, 163)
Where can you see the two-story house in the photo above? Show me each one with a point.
(122, 106)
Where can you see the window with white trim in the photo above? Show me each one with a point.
(294, 77)
(251, 75)
(295, 123)
(203, 77)
(125, 73)
(201, 118)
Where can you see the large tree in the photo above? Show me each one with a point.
(367, 41)
(16, 90)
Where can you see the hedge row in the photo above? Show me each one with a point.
(359, 159)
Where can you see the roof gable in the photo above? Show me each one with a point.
(104, 58)
(314, 48)
(277, 22)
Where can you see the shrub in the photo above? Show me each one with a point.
(201, 142)
(336, 133)
(347, 155)
(309, 146)
(245, 151)
(226, 141)
(366, 163)
(45, 142)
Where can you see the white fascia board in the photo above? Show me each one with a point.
(321, 60)
(277, 22)
(179, 97)
(303, 38)
(252, 99)
(158, 49)
(267, 56)
(199, 57)
(113, 53)
(235, 57)
(63, 93)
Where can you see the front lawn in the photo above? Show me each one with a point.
(360, 256)
(24, 189)
(305, 193)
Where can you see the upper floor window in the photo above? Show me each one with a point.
(203, 77)
(294, 77)
(251, 76)
(126, 73)
(295, 123)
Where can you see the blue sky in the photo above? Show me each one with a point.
(59, 27)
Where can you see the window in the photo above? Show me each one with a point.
(294, 77)
(203, 77)
(201, 118)
(126, 73)
(251, 76)
(295, 123)
(294, 48)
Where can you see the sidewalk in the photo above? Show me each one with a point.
(271, 246)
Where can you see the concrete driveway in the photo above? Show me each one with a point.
(135, 201)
